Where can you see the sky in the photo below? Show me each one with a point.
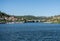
(30, 7)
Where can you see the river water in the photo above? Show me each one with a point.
(30, 32)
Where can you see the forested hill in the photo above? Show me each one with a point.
(2, 14)
(29, 17)
(54, 19)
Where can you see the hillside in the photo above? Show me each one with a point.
(2, 14)
(53, 19)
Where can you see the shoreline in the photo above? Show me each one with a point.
(26, 22)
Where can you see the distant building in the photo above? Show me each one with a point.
(1, 18)
(12, 18)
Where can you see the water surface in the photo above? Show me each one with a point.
(30, 32)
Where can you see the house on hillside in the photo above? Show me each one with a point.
(1, 18)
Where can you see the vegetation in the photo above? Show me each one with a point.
(2, 14)
(53, 19)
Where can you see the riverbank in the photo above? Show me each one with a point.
(27, 22)
(13, 22)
